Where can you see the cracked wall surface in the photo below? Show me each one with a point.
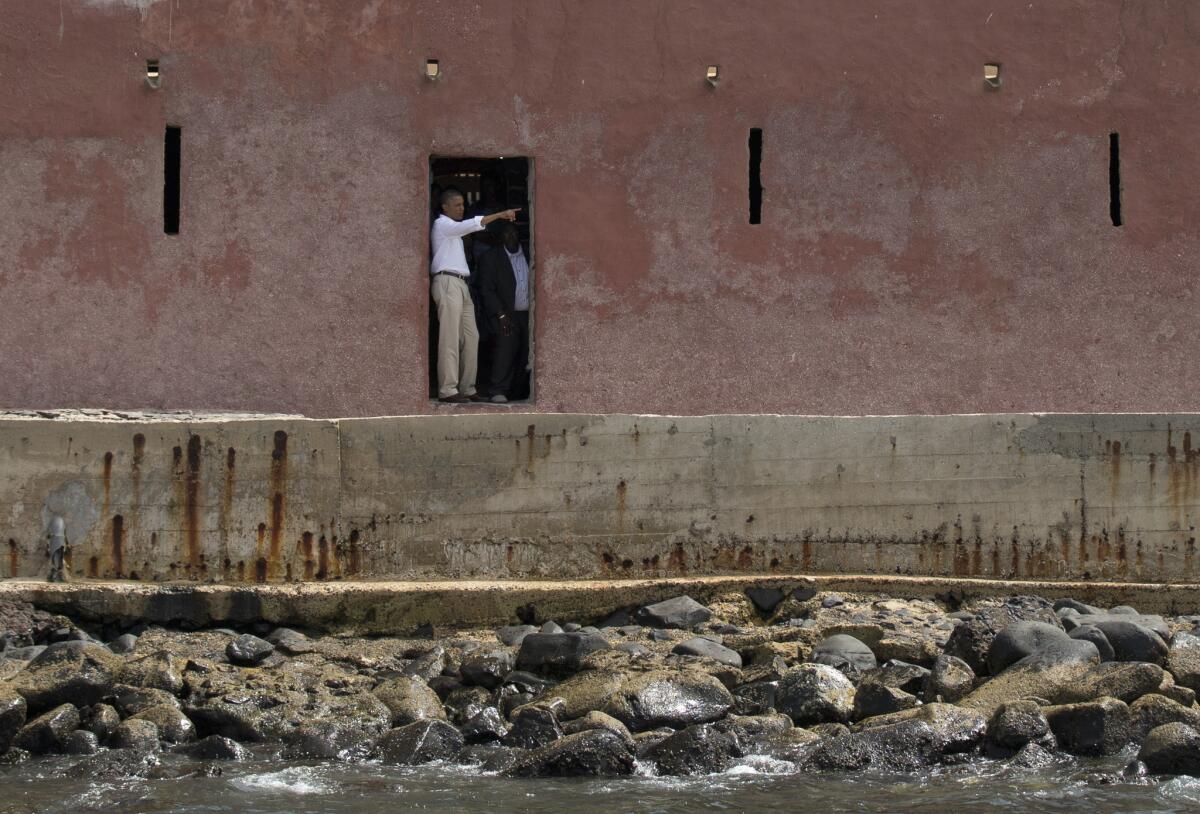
(927, 245)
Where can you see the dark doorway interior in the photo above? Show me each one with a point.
(489, 185)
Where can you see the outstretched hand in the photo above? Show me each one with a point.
(510, 214)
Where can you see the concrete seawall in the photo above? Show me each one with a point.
(512, 496)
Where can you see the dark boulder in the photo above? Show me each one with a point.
(491, 758)
(428, 666)
(905, 746)
(557, 654)
(707, 648)
(765, 599)
(1021, 639)
(815, 693)
(950, 680)
(899, 674)
(485, 726)
(1093, 634)
(1172, 749)
(125, 643)
(462, 704)
(248, 650)
(533, 726)
(873, 698)
(972, 638)
(1183, 660)
(674, 699)
(331, 739)
(214, 747)
(132, 700)
(600, 720)
(700, 749)
(594, 753)
(49, 731)
(101, 719)
(844, 653)
(1131, 641)
(1125, 681)
(1076, 606)
(681, 613)
(1015, 724)
(955, 730)
(172, 725)
(81, 742)
(1094, 728)
(408, 699)
(420, 742)
(292, 642)
(1152, 711)
(513, 635)
(488, 668)
(12, 716)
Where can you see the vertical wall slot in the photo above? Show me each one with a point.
(756, 189)
(171, 159)
(1114, 177)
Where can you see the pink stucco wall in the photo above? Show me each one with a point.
(927, 245)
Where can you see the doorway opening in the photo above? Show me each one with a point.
(505, 352)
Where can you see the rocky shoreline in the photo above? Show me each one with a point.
(828, 683)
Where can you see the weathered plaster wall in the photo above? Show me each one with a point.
(927, 246)
(560, 496)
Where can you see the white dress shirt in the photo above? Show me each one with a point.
(521, 272)
(446, 239)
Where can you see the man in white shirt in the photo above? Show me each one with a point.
(458, 338)
(504, 287)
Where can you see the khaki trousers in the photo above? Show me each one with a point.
(458, 338)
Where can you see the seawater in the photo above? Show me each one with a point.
(266, 786)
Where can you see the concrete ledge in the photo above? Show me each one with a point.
(399, 607)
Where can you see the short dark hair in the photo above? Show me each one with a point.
(447, 194)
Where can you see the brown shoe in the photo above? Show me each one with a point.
(477, 396)
(457, 398)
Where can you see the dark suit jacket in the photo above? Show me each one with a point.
(497, 286)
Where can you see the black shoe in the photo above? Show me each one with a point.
(477, 396)
(457, 398)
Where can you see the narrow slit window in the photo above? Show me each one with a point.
(171, 158)
(1114, 177)
(756, 189)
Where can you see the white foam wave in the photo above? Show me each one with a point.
(294, 780)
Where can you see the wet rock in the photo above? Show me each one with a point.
(1151, 711)
(12, 716)
(955, 730)
(814, 694)
(899, 674)
(101, 720)
(1032, 756)
(68, 673)
(599, 720)
(49, 731)
(1151, 622)
(793, 745)
(487, 669)
(214, 747)
(1015, 724)
(1172, 749)
(138, 735)
(132, 700)
(755, 698)
(81, 742)
(675, 699)
(292, 642)
(972, 639)
(123, 644)
(557, 653)
(594, 753)
(408, 699)
(1094, 728)
(428, 666)
(485, 726)
(844, 653)
(513, 635)
(331, 739)
(699, 749)
(465, 702)
(950, 680)
(248, 650)
(1021, 639)
(681, 613)
(872, 698)
(1095, 635)
(420, 742)
(765, 599)
(752, 729)
(586, 691)
(1183, 660)
(533, 726)
(707, 648)
(1048, 674)
(173, 726)
(905, 746)
(491, 758)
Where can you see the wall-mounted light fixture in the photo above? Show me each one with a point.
(713, 75)
(991, 75)
(153, 77)
(432, 70)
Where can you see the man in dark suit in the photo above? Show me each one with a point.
(504, 286)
